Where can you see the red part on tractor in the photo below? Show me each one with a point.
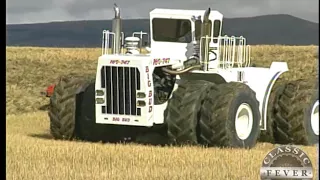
(50, 90)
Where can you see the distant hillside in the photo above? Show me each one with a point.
(269, 29)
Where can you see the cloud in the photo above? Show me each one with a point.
(31, 11)
(21, 7)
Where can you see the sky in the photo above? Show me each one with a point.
(36, 11)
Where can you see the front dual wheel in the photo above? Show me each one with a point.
(224, 115)
(230, 117)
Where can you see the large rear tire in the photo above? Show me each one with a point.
(230, 116)
(297, 116)
(182, 113)
(62, 112)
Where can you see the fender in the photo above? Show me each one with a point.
(279, 68)
(260, 80)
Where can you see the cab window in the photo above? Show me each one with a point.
(216, 29)
(198, 29)
(171, 30)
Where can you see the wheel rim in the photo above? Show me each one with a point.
(244, 121)
(315, 118)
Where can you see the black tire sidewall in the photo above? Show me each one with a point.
(87, 106)
(85, 112)
(87, 127)
(235, 104)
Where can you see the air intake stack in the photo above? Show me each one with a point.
(116, 29)
(205, 39)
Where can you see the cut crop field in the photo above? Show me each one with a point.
(33, 154)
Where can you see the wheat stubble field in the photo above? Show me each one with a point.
(33, 154)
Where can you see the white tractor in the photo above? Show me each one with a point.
(193, 85)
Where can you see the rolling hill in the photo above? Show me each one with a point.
(269, 29)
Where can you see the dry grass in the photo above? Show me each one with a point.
(32, 154)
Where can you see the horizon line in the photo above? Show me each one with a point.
(57, 21)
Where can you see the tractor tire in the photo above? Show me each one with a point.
(219, 116)
(182, 112)
(294, 119)
(268, 135)
(163, 85)
(62, 110)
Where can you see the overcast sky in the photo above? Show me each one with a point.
(34, 11)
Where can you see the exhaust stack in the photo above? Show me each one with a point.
(205, 31)
(116, 29)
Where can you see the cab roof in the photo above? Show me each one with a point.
(183, 12)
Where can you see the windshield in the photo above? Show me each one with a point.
(171, 30)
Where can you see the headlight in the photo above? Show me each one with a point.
(99, 100)
(99, 92)
(141, 95)
(141, 103)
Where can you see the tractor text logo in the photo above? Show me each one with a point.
(119, 61)
(160, 61)
(150, 92)
(118, 119)
(286, 162)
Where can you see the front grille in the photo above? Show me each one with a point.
(121, 85)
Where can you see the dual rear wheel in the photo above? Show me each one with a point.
(225, 115)
(293, 116)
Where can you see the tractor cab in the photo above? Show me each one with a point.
(177, 33)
